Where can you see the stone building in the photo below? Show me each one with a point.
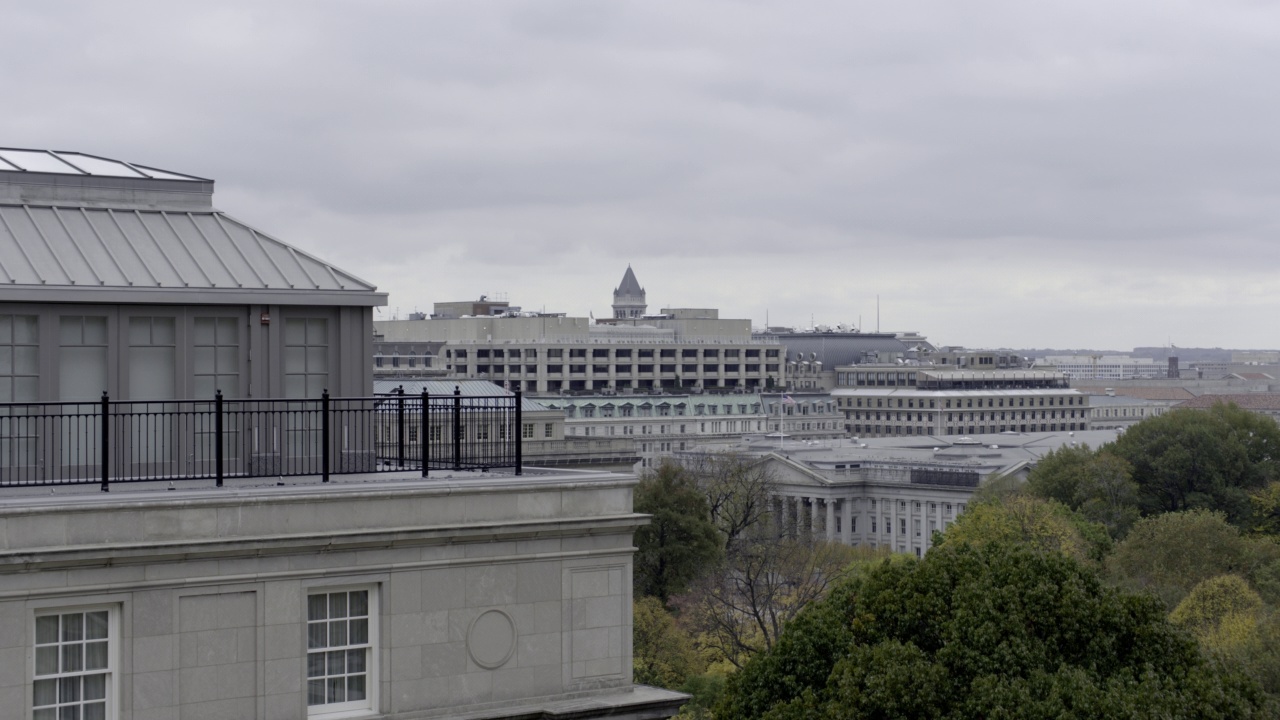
(269, 596)
(677, 350)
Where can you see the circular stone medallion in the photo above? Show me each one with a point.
(491, 639)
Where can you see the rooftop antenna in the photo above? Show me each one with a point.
(877, 313)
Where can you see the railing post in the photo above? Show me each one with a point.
(217, 436)
(400, 429)
(324, 435)
(105, 452)
(457, 428)
(519, 434)
(425, 434)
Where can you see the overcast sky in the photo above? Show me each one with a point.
(1020, 174)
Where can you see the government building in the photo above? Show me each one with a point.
(677, 350)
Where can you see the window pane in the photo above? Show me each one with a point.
(295, 332)
(69, 712)
(315, 664)
(162, 331)
(338, 605)
(139, 331)
(47, 660)
(71, 331)
(228, 331)
(317, 359)
(46, 714)
(355, 661)
(355, 687)
(317, 635)
(204, 359)
(72, 627)
(95, 331)
(337, 664)
(82, 373)
(96, 625)
(315, 692)
(25, 329)
(205, 331)
(95, 687)
(26, 360)
(68, 689)
(359, 603)
(316, 605)
(72, 657)
(95, 656)
(151, 373)
(337, 690)
(6, 360)
(337, 633)
(46, 629)
(45, 692)
(359, 632)
(96, 711)
(295, 359)
(227, 358)
(317, 332)
(204, 386)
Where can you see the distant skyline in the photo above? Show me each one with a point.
(1079, 174)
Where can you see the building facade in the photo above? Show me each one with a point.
(664, 425)
(124, 279)
(681, 350)
(274, 595)
(889, 400)
(889, 493)
(487, 596)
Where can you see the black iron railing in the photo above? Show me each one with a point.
(112, 441)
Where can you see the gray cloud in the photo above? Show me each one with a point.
(999, 173)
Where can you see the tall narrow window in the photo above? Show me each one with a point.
(306, 357)
(19, 358)
(152, 356)
(82, 357)
(19, 382)
(73, 657)
(339, 651)
(216, 350)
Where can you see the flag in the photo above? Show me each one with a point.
(786, 400)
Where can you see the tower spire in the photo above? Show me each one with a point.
(629, 297)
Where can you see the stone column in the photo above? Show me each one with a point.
(797, 508)
(846, 522)
(831, 519)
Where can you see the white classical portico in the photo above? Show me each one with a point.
(886, 511)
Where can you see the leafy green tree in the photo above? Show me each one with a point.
(1264, 505)
(1223, 612)
(1045, 525)
(662, 653)
(680, 541)
(1190, 458)
(1098, 485)
(1171, 553)
(997, 631)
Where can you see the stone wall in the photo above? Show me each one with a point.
(488, 595)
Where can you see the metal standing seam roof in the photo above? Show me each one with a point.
(82, 247)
